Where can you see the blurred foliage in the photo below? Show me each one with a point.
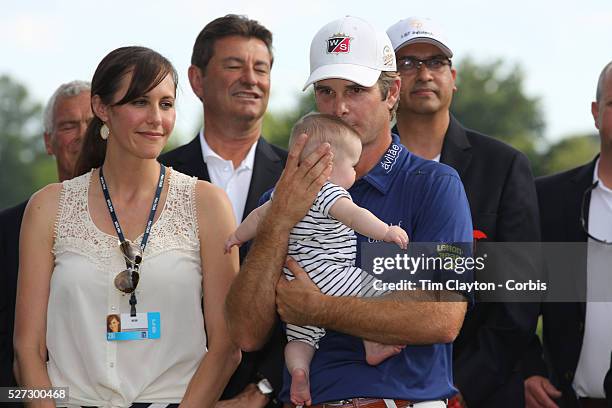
(491, 99)
(21, 143)
(570, 152)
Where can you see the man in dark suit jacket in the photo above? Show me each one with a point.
(66, 116)
(560, 200)
(501, 192)
(564, 199)
(10, 224)
(230, 74)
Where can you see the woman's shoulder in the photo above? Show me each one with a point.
(50, 199)
(46, 197)
(43, 205)
(212, 204)
(210, 194)
(208, 187)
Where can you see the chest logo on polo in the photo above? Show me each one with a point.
(339, 44)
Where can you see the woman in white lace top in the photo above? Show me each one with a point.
(73, 273)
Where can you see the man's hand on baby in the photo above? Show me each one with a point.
(232, 241)
(397, 235)
(299, 183)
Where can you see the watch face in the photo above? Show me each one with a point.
(265, 387)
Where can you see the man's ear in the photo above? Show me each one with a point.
(49, 143)
(196, 80)
(394, 92)
(454, 75)
(99, 108)
(595, 113)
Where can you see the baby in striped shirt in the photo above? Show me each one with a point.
(324, 243)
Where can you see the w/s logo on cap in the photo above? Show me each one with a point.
(339, 43)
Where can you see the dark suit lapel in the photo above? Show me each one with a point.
(265, 169)
(192, 162)
(581, 181)
(456, 149)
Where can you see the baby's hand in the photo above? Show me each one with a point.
(397, 235)
(232, 241)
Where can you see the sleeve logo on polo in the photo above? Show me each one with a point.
(390, 158)
(339, 43)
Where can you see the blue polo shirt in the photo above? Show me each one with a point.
(427, 200)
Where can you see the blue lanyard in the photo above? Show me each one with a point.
(145, 237)
(111, 209)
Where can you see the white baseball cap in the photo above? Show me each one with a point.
(418, 30)
(350, 48)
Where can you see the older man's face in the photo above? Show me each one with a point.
(425, 91)
(602, 111)
(71, 116)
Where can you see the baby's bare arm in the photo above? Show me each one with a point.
(359, 219)
(366, 223)
(247, 230)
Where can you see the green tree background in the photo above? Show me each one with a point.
(491, 98)
(22, 157)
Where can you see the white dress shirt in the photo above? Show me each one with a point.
(234, 181)
(594, 359)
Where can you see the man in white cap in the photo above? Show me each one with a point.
(354, 75)
(501, 191)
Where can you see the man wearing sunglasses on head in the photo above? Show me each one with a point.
(501, 192)
(576, 206)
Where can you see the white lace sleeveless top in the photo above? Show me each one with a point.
(116, 373)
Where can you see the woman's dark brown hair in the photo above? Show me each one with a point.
(148, 67)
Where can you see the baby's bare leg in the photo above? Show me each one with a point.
(376, 353)
(298, 356)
